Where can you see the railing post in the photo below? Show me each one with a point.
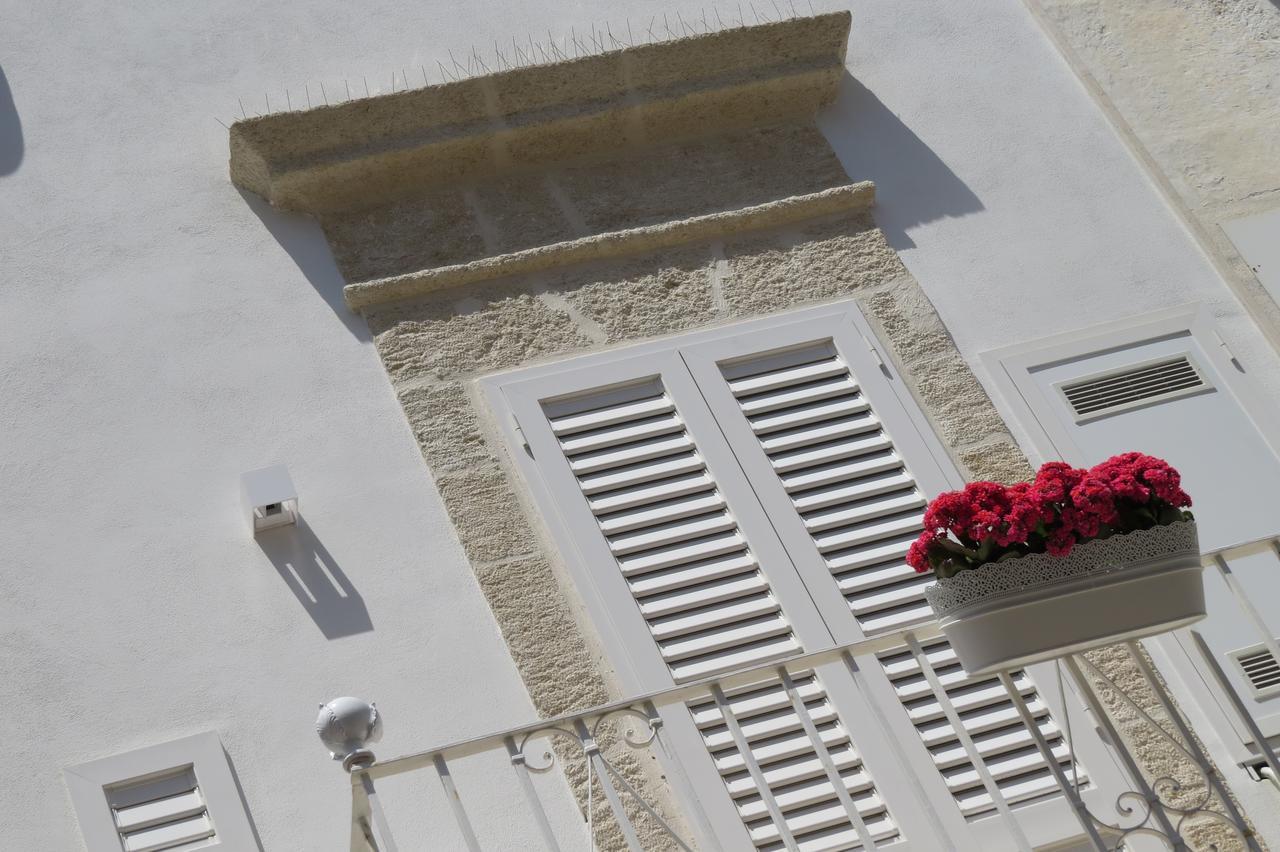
(753, 767)
(592, 750)
(1068, 788)
(1117, 743)
(531, 794)
(970, 748)
(1246, 605)
(1193, 745)
(1237, 704)
(455, 803)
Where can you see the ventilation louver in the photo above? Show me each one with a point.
(163, 812)
(1260, 668)
(1130, 387)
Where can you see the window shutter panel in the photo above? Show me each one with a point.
(838, 450)
(168, 812)
(624, 459)
(705, 601)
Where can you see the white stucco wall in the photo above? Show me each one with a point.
(159, 334)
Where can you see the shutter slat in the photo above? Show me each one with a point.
(743, 587)
(650, 406)
(687, 575)
(621, 434)
(648, 493)
(819, 433)
(728, 613)
(669, 534)
(631, 454)
(169, 835)
(862, 510)
(798, 395)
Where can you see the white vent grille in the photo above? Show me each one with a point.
(858, 501)
(164, 812)
(1261, 669)
(1003, 741)
(809, 803)
(1137, 385)
(687, 564)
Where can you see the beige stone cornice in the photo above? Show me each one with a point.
(366, 152)
(798, 208)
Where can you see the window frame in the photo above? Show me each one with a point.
(87, 784)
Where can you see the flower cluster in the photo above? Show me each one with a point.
(989, 522)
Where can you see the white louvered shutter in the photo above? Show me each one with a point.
(844, 469)
(157, 814)
(687, 580)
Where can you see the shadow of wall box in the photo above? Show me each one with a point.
(269, 498)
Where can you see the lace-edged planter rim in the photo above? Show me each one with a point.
(1039, 607)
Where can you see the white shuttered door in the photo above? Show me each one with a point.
(670, 544)
(743, 495)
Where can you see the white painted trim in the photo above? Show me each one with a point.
(87, 783)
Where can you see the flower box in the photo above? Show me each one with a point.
(1069, 561)
(1038, 606)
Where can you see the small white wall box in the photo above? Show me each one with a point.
(269, 498)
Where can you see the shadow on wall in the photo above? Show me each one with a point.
(244, 803)
(913, 185)
(11, 147)
(316, 580)
(304, 240)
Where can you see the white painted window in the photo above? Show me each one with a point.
(175, 796)
(737, 496)
(1166, 385)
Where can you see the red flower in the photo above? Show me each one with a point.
(918, 553)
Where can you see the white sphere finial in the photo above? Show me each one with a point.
(346, 726)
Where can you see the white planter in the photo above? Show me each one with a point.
(1038, 607)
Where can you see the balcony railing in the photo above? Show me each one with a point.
(1151, 810)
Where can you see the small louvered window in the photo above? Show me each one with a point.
(172, 797)
(1140, 384)
(167, 812)
(1261, 669)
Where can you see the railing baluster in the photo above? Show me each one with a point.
(824, 757)
(1236, 703)
(455, 802)
(753, 767)
(1068, 789)
(970, 748)
(592, 749)
(1192, 744)
(689, 795)
(1246, 605)
(531, 794)
(387, 842)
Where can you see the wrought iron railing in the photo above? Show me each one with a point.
(1156, 808)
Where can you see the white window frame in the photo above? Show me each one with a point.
(88, 783)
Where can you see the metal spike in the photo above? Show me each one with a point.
(444, 72)
(308, 88)
(267, 98)
(348, 85)
(288, 102)
(243, 114)
(366, 85)
(220, 121)
(324, 94)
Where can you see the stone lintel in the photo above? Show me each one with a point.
(365, 152)
(799, 208)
